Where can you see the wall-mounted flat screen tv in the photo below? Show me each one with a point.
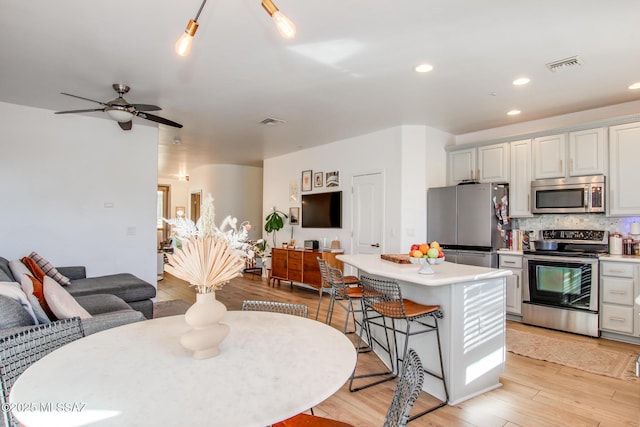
(322, 210)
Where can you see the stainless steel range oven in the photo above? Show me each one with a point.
(563, 284)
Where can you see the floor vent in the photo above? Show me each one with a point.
(564, 63)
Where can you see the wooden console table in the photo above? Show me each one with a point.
(301, 266)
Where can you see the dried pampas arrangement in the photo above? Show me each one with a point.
(209, 257)
(207, 263)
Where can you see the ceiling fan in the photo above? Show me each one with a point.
(122, 111)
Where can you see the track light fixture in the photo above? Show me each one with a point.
(183, 45)
(286, 28)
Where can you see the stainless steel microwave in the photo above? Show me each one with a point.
(583, 194)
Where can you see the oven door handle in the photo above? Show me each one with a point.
(573, 260)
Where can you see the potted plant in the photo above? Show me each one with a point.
(274, 222)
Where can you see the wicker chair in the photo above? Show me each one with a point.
(407, 392)
(383, 300)
(326, 283)
(276, 307)
(21, 350)
(341, 292)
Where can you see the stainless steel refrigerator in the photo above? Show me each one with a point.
(470, 221)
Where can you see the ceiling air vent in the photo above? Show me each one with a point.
(270, 121)
(564, 63)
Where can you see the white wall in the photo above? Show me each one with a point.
(398, 153)
(424, 162)
(59, 172)
(236, 190)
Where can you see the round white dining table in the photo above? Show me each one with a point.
(271, 366)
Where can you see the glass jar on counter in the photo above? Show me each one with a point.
(636, 247)
(627, 246)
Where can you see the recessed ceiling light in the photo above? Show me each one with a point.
(521, 81)
(177, 140)
(514, 112)
(424, 68)
(635, 86)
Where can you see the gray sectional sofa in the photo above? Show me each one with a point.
(112, 300)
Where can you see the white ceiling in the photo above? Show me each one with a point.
(348, 72)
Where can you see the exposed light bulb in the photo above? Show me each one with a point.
(183, 45)
(286, 28)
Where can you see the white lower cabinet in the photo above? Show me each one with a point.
(514, 282)
(618, 289)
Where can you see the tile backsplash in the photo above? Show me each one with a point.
(575, 222)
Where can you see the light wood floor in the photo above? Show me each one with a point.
(533, 393)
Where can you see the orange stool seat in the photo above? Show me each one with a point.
(351, 280)
(306, 420)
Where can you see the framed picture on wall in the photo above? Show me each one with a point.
(294, 190)
(333, 179)
(306, 180)
(317, 179)
(294, 216)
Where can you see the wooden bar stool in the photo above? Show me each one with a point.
(383, 300)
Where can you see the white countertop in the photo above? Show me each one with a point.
(446, 273)
(620, 258)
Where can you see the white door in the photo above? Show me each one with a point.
(368, 214)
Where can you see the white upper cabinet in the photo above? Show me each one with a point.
(624, 168)
(493, 163)
(462, 165)
(488, 163)
(587, 152)
(520, 182)
(549, 154)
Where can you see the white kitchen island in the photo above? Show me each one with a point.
(472, 331)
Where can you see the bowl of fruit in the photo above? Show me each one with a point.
(426, 253)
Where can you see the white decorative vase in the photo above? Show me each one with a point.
(204, 317)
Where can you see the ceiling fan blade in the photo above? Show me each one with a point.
(146, 107)
(86, 99)
(79, 111)
(158, 119)
(125, 125)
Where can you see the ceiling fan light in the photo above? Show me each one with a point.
(285, 26)
(183, 45)
(119, 115)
